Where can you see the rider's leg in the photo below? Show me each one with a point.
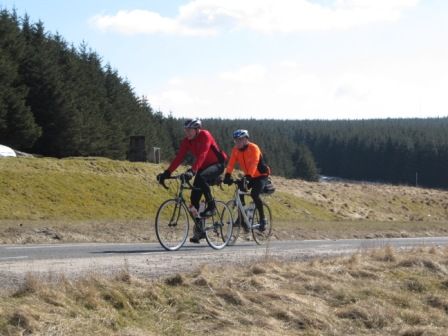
(195, 197)
(257, 185)
(202, 180)
(201, 186)
(239, 219)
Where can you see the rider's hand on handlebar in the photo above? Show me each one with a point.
(189, 174)
(163, 176)
(242, 184)
(227, 179)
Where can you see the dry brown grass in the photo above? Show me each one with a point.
(373, 202)
(385, 292)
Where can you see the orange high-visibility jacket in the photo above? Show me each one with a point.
(247, 159)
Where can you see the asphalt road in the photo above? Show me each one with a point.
(151, 260)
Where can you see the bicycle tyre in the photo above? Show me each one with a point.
(172, 224)
(262, 237)
(236, 227)
(218, 227)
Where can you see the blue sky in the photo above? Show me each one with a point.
(288, 59)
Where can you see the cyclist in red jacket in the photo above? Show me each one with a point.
(208, 165)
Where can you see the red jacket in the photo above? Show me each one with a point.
(204, 149)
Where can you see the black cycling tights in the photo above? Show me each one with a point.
(202, 180)
(257, 185)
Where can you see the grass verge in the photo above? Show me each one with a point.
(381, 292)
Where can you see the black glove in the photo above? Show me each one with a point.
(242, 184)
(250, 181)
(161, 177)
(227, 179)
(189, 174)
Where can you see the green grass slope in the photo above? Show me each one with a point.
(97, 199)
(77, 189)
(98, 189)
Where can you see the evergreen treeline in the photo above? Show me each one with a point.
(58, 100)
(401, 151)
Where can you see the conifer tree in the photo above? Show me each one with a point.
(17, 125)
(304, 164)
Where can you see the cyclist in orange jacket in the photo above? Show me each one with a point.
(249, 158)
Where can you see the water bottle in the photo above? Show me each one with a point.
(250, 211)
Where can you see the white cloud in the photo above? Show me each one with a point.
(373, 90)
(176, 81)
(289, 64)
(145, 22)
(208, 17)
(247, 74)
(171, 99)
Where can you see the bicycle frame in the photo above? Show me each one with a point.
(183, 185)
(240, 206)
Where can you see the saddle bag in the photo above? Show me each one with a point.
(269, 188)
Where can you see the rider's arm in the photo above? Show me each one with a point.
(232, 161)
(179, 156)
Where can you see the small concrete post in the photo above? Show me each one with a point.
(156, 151)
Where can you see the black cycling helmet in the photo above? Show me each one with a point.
(193, 123)
(241, 133)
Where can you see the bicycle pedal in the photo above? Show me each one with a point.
(207, 214)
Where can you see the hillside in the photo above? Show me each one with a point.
(62, 101)
(96, 199)
(371, 201)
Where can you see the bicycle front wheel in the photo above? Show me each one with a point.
(236, 226)
(218, 227)
(262, 237)
(172, 224)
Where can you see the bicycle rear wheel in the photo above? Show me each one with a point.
(218, 227)
(262, 237)
(172, 224)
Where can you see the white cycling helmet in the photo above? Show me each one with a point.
(193, 123)
(241, 133)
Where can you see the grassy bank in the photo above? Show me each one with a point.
(96, 199)
(384, 292)
(77, 189)
(99, 189)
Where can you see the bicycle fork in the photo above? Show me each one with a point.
(176, 214)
